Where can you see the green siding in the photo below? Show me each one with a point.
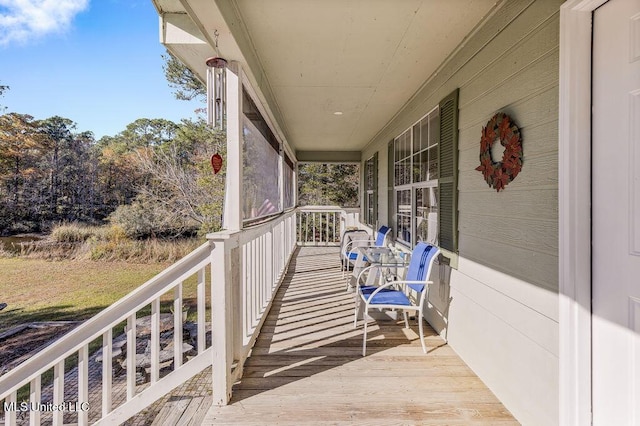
(509, 64)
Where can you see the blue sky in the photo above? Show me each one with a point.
(96, 62)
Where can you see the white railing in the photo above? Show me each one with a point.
(252, 264)
(245, 269)
(324, 225)
(67, 373)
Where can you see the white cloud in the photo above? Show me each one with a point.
(24, 20)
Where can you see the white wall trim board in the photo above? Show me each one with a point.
(574, 211)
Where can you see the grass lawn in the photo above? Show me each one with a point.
(39, 290)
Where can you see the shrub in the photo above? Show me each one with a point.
(74, 233)
(143, 219)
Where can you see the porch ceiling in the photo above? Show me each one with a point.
(311, 59)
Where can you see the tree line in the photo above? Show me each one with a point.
(152, 178)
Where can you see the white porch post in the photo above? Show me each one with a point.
(225, 262)
(233, 214)
(224, 312)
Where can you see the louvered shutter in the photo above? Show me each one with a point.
(448, 173)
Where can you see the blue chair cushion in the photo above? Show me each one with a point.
(420, 260)
(366, 290)
(390, 297)
(417, 287)
(382, 233)
(354, 255)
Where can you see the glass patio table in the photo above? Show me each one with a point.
(379, 263)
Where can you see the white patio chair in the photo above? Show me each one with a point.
(394, 295)
(350, 253)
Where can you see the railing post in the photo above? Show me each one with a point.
(225, 264)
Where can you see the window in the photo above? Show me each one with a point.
(416, 181)
(371, 191)
(425, 172)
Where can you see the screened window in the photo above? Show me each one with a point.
(415, 161)
(261, 186)
(261, 171)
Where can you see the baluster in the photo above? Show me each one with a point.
(249, 289)
(58, 392)
(201, 311)
(335, 240)
(266, 256)
(260, 269)
(177, 327)
(314, 228)
(83, 385)
(131, 356)
(245, 286)
(155, 340)
(256, 284)
(35, 397)
(326, 237)
(10, 416)
(107, 366)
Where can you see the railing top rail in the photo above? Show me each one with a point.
(240, 237)
(324, 208)
(109, 317)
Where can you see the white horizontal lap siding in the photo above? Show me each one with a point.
(502, 318)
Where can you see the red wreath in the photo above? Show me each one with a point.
(499, 174)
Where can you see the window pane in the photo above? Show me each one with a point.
(370, 218)
(424, 133)
(406, 171)
(424, 162)
(398, 149)
(426, 215)
(403, 224)
(434, 125)
(433, 163)
(417, 166)
(368, 174)
(261, 186)
(406, 144)
(416, 138)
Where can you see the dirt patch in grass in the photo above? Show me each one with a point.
(21, 345)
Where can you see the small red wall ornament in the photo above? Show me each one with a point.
(216, 163)
(499, 173)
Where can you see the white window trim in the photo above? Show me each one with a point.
(574, 196)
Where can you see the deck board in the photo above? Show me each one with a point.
(306, 366)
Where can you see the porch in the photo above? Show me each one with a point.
(306, 366)
(282, 347)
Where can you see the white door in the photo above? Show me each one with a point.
(616, 214)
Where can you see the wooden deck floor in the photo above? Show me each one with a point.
(307, 367)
